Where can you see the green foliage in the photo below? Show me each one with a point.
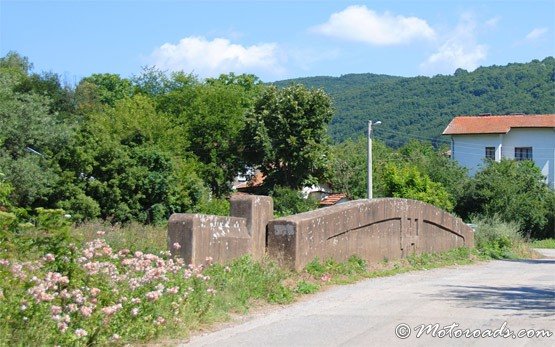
(423, 106)
(5, 192)
(409, 183)
(286, 137)
(289, 201)
(545, 243)
(515, 191)
(495, 238)
(304, 287)
(349, 167)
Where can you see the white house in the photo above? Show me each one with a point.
(520, 137)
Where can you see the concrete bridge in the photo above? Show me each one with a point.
(374, 230)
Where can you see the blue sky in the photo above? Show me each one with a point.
(276, 39)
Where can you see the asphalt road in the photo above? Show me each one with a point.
(519, 294)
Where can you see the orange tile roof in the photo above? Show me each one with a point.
(255, 181)
(497, 124)
(332, 199)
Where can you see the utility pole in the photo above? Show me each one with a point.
(369, 192)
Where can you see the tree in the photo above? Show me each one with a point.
(513, 190)
(30, 134)
(286, 135)
(409, 183)
(349, 167)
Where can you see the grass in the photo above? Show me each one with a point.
(185, 298)
(547, 243)
(133, 236)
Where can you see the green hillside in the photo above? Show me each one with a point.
(421, 107)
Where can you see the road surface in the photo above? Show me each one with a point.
(500, 296)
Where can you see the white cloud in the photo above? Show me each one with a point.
(211, 58)
(492, 22)
(536, 34)
(358, 23)
(459, 50)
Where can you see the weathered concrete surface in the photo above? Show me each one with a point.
(482, 296)
(372, 229)
(222, 238)
(258, 210)
(201, 236)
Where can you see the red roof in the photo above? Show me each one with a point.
(498, 124)
(332, 199)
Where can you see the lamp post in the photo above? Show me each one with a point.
(370, 156)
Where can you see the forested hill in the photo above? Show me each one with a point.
(421, 107)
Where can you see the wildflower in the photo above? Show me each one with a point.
(227, 269)
(86, 311)
(209, 260)
(62, 326)
(81, 333)
(153, 296)
(211, 291)
(326, 278)
(134, 311)
(160, 320)
(135, 301)
(94, 291)
(100, 233)
(176, 246)
(173, 290)
(49, 257)
(116, 337)
(55, 310)
(110, 310)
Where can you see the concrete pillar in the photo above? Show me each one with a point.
(258, 211)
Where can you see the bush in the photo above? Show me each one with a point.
(288, 201)
(409, 183)
(515, 192)
(495, 238)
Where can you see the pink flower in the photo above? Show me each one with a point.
(86, 311)
(176, 246)
(173, 290)
(62, 326)
(134, 311)
(100, 233)
(94, 291)
(160, 320)
(110, 310)
(49, 257)
(153, 296)
(80, 333)
(326, 278)
(55, 310)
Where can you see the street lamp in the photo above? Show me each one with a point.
(370, 156)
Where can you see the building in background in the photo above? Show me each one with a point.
(475, 139)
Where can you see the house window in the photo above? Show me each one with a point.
(490, 153)
(523, 153)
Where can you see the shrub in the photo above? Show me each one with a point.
(495, 238)
(515, 192)
(409, 183)
(288, 201)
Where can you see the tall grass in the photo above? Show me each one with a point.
(497, 239)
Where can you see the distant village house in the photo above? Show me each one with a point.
(520, 137)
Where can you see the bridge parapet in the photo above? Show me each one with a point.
(371, 229)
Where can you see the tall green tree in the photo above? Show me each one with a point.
(515, 191)
(407, 182)
(286, 135)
